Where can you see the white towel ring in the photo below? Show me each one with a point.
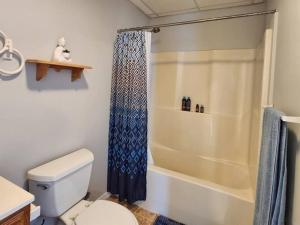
(21, 66)
(4, 38)
(8, 48)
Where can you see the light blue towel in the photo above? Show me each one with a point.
(272, 175)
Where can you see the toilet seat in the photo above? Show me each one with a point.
(103, 212)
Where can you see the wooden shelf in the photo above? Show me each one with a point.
(42, 67)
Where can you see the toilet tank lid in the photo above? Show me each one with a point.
(61, 167)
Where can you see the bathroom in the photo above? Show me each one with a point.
(50, 118)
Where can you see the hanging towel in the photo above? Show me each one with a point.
(272, 176)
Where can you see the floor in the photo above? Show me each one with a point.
(143, 216)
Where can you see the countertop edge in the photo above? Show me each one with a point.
(6, 214)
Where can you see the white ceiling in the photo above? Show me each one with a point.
(157, 8)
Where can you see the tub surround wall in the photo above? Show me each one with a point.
(256, 116)
(44, 120)
(214, 154)
(229, 176)
(262, 85)
(222, 81)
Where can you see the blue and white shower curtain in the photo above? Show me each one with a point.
(127, 151)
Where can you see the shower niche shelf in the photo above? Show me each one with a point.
(177, 110)
(42, 67)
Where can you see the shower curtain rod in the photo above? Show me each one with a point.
(156, 28)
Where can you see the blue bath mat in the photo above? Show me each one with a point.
(162, 220)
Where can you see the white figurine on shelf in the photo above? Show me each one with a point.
(61, 54)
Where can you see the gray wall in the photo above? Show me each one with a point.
(287, 91)
(226, 34)
(40, 121)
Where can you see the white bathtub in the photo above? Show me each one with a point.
(198, 192)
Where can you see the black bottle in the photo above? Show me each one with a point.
(197, 108)
(188, 104)
(183, 104)
(202, 109)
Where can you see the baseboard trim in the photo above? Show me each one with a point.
(104, 196)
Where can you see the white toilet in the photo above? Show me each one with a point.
(60, 185)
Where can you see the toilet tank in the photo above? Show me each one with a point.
(61, 183)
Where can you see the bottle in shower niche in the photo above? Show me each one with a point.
(197, 108)
(188, 104)
(183, 104)
(202, 109)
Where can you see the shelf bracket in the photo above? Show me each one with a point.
(41, 71)
(76, 73)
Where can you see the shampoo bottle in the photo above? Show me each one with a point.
(202, 109)
(188, 104)
(197, 108)
(183, 104)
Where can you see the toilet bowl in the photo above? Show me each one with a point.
(100, 212)
(60, 185)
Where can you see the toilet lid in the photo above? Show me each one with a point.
(103, 212)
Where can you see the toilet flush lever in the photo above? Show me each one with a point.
(42, 186)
